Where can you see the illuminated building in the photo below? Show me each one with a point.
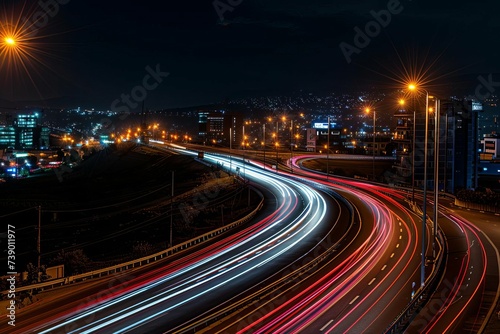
(25, 132)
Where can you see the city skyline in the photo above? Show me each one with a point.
(203, 52)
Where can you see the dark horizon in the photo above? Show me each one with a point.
(92, 53)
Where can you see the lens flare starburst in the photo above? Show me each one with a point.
(24, 51)
(10, 41)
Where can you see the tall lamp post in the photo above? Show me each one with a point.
(264, 142)
(328, 150)
(230, 147)
(413, 87)
(374, 133)
(291, 145)
(276, 144)
(171, 209)
(437, 111)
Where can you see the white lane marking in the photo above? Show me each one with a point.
(371, 282)
(392, 255)
(397, 246)
(327, 324)
(354, 299)
(385, 266)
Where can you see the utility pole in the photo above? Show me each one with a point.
(222, 213)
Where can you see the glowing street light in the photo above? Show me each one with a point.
(10, 41)
(368, 110)
(413, 87)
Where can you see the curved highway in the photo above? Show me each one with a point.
(180, 290)
(458, 303)
(364, 285)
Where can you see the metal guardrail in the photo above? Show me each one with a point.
(477, 206)
(402, 321)
(144, 260)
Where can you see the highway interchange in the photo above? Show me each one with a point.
(323, 256)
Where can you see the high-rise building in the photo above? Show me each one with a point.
(7, 136)
(202, 123)
(489, 119)
(219, 125)
(25, 132)
(458, 145)
(27, 127)
(460, 148)
(403, 141)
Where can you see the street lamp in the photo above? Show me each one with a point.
(413, 87)
(230, 147)
(171, 208)
(264, 142)
(328, 150)
(276, 145)
(291, 145)
(437, 113)
(374, 133)
(10, 41)
(155, 126)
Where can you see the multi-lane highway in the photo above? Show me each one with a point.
(302, 217)
(365, 284)
(330, 256)
(465, 295)
(462, 300)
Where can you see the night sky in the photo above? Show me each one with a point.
(91, 52)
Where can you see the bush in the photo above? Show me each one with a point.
(75, 262)
(479, 197)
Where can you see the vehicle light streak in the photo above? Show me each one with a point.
(350, 272)
(302, 310)
(459, 286)
(246, 258)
